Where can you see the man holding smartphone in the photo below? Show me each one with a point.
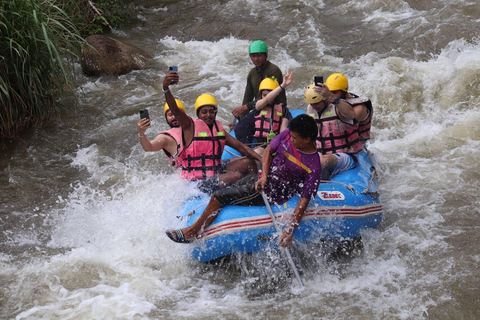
(205, 139)
(338, 114)
(170, 141)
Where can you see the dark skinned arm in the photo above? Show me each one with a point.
(185, 121)
(287, 235)
(240, 147)
(347, 112)
(266, 162)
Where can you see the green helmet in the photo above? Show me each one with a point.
(258, 46)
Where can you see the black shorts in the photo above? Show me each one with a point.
(210, 185)
(241, 193)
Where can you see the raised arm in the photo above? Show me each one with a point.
(347, 112)
(183, 119)
(275, 92)
(361, 112)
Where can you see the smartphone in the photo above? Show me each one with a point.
(144, 114)
(318, 79)
(173, 68)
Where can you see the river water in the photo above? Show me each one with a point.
(83, 209)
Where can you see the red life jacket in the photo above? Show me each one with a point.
(203, 157)
(365, 125)
(176, 134)
(269, 119)
(334, 135)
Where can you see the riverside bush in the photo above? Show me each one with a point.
(37, 44)
(39, 41)
(99, 16)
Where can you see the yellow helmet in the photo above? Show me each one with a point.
(268, 84)
(311, 96)
(179, 104)
(337, 81)
(205, 100)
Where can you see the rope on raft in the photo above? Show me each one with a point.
(239, 156)
(374, 176)
(191, 213)
(348, 186)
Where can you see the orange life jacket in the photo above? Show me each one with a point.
(203, 157)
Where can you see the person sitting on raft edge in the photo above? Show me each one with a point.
(204, 141)
(290, 166)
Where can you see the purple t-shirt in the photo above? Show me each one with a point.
(287, 179)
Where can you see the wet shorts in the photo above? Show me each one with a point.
(224, 164)
(210, 185)
(241, 193)
(345, 162)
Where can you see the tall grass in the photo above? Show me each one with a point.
(37, 39)
(99, 16)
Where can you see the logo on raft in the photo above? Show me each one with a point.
(331, 195)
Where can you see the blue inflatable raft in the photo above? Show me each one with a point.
(342, 208)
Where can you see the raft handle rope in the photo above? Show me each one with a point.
(192, 212)
(255, 144)
(373, 194)
(374, 176)
(348, 186)
(233, 154)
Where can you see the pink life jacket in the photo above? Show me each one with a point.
(334, 135)
(203, 157)
(265, 122)
(176, 134)
(365, 125)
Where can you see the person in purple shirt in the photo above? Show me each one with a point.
(290, 166)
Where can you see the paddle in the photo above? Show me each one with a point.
(286, 249)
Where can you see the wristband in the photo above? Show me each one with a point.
(166, 90)
(140, 136)
(281, 87)
(336, 101)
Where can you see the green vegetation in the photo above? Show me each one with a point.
(39, 41)
(36, 37)
(98, 16)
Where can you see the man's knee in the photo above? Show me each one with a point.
(329, 161)
(241, 166)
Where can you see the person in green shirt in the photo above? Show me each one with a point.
(258, 52)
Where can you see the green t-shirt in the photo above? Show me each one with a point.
(253, 82)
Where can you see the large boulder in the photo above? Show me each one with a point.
(104, 55)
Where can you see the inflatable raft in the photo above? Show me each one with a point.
(342, 208)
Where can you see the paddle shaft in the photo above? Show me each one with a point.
(286, 249)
